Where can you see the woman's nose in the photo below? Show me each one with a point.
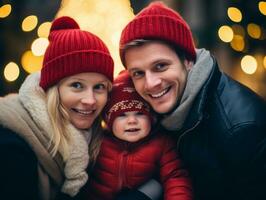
(88, 98)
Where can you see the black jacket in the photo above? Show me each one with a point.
(223, 141)
(18, 168)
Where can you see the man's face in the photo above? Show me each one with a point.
(158, 74)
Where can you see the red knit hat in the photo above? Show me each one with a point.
(72, 51)
(159, 22)
(124, 98)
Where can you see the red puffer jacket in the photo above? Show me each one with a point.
(128, 165)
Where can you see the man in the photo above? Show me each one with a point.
(219, 123)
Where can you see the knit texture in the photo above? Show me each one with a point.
(158, 22)
(72, 51)
(124, 98)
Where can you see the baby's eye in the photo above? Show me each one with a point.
(76, 85)
(139, 113)
(122, 115)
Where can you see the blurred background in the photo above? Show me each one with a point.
(234, 31)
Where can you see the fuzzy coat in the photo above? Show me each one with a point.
(123, 165)
(25, 115)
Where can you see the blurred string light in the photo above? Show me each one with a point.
(262, 7)
(11, 71)
(30, 62)
(39, 46)
(254, 30)
(234, 14)
(226, 33)
(264, 62)
(249, 64)
(238, 43)
(44, 29)
(29, 23)
(105, 18)
(5, 10)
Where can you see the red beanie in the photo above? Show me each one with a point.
(72, 51)
(159, 22)
(124, 98)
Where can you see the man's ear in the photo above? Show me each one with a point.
(188, 64)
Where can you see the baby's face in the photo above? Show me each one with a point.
(131, 126)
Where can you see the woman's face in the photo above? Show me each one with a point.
(83, 96)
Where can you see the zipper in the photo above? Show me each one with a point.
(188, 130)
(122, 171)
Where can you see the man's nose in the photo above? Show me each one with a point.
(151, 80)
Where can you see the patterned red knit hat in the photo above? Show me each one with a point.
(159, 22)
(124, 98)
(72, 51)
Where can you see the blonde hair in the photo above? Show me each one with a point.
(60, 136)
(59, 119)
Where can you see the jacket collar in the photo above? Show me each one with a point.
(197, 112)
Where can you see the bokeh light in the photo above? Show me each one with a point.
(249, 64)
(11, 71)
(39, 46)
(238, 43)
(254, 30)
(226, 33)
(5, 10)
(234, 14)
(44, 29)
(262, 7)
(264, 62)
(30, 62)
(29, 23)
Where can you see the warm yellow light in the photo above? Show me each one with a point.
(44, 29)
(262, 7)
(29, 23)
(30, 62)
(5, 10)
(11, 71)
(264, 62)
(238, 43)
(226, 33)
(39, 46)
(238, 30)
(234, 14)
(249, 64)
(254, 30)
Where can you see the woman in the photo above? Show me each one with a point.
(46, 140)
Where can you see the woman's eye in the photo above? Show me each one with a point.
(76, 85)
(100, 86)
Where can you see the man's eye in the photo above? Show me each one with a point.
(160, 66)
(137, 74)
(76, 85)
